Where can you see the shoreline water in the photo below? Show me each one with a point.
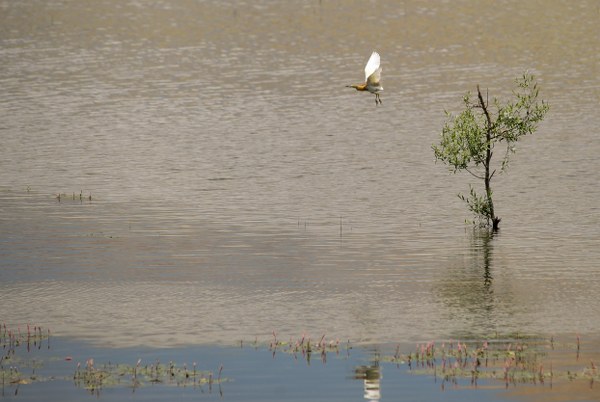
(505, 368)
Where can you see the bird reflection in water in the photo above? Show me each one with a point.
(371, 376)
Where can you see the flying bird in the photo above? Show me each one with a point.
(372, 78)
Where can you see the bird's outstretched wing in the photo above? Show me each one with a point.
(373, 79)
(372, 65)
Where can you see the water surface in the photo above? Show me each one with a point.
(238, 188)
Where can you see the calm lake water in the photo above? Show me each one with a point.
(238, 188)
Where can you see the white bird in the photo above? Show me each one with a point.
(372, 78)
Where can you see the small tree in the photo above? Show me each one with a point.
(469, 139)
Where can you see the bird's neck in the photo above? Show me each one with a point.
(359, 87)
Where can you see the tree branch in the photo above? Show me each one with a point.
(484, 107)
(474, 175)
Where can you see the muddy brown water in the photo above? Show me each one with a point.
(238, 188)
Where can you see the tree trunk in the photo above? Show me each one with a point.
(488, 159)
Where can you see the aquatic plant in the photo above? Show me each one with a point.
(13, 368)
(10, 339)
(306, 347)
(511, 360)
(73, 197)
(94, 378)
(16, 370)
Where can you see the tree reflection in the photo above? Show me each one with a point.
(467, 287)
(486, 249)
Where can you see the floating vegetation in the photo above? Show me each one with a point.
(95, 378)
(490, 361)
(511, 360)
(508, 359)
(32, 337)
(60, 197)
(15, 370)
(305, 347)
